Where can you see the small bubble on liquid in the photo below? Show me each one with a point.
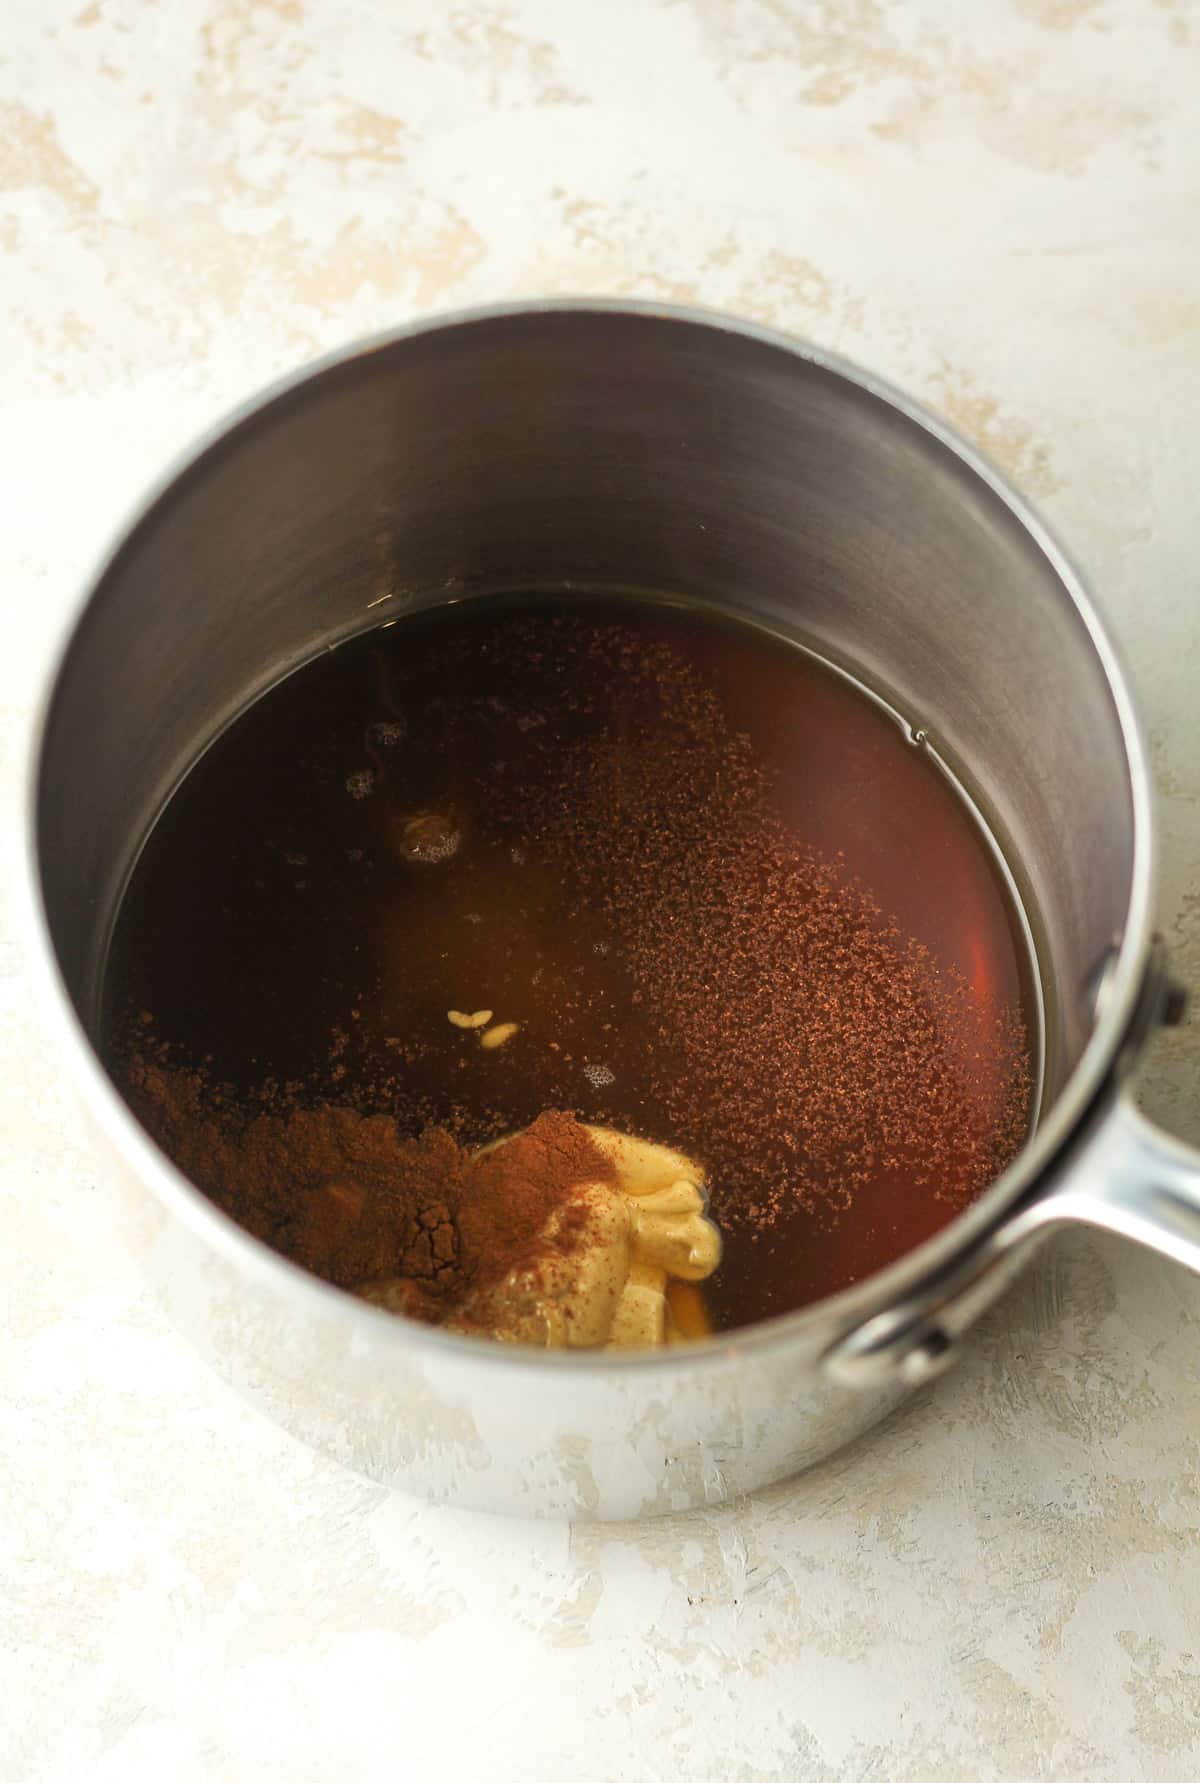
(472, 916)
(360, 783)
(517, 856)
(599, 1076)
(430, 837)
(387, 732)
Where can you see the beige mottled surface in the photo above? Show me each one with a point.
(995, 206)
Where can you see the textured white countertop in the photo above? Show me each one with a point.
(996, 207)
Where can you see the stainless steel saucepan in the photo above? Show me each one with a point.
(577, 446)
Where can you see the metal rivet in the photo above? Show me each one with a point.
(929, 1357)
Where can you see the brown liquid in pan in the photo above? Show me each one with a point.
(728, 903)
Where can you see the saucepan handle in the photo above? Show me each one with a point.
(1129, 1177)
(1145, 1185)
(1123, 1174)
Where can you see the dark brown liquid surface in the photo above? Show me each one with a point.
(360, 853)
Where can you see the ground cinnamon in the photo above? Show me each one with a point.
(349, 1197)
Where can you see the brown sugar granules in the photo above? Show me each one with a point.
(797, 1041)
(347, 1196)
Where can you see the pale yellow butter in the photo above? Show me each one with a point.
(611, 1289)
(625, 1282)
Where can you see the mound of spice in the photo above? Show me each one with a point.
(349, 1197)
